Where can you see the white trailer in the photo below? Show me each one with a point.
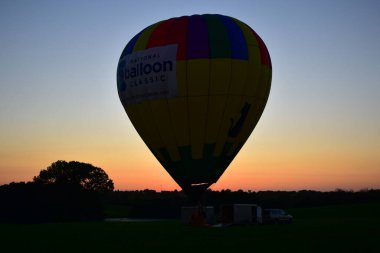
(241, 214)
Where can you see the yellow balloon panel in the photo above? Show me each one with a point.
(147, 132)
(164, 125)
(215, 112)
(265, 82)
(254, 72)
(201, 118)
(220, 76)
(257, 107)
(182, 78)
(197, 118)
(198, 77)
(250, 123)
(178, 108)
(230, 117)
(239, 69)
(138, 123)
(151, 133)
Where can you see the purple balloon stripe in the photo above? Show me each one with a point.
(197, 38)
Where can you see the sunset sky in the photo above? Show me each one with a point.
(320, 129)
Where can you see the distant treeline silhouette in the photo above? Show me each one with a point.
(37, 202)
(167, 204)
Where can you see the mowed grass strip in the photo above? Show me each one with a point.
(345, 228)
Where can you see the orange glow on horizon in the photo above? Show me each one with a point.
(260, 165)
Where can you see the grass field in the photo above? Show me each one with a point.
(349, 228)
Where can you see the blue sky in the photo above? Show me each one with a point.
(58, 95)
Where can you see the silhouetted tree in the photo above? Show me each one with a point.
(31, 202)
(85, 175)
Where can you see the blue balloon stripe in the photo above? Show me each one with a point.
(238, 44)
(129, 47)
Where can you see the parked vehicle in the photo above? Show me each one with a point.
(276, 216)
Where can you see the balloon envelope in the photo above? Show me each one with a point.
(194, 87)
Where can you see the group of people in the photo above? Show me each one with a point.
(199, 218)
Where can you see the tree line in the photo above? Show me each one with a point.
(167, 204)
(65, 191)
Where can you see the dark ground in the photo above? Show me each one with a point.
(339, 228)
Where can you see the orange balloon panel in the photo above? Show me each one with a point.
(195, 87)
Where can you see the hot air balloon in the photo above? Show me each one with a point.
(194, 87)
